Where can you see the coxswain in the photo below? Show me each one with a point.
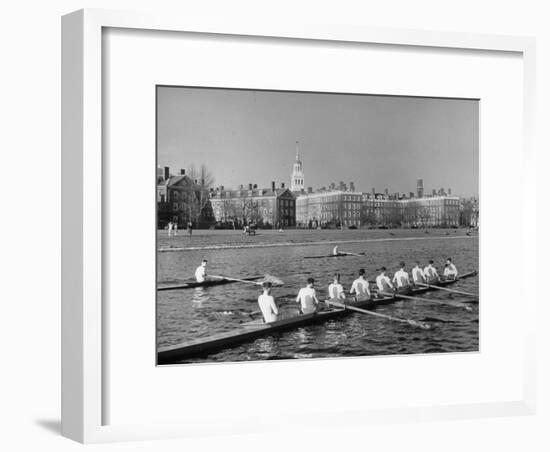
(418, 274)
(450, 271)
(401, 277)
(383, 282)
(307, 298)
(360, 287)
(431, 273)
(200, 272)
(335, 290)
(335, 251)
(267, 303)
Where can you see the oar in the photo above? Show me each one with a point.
(428, 300)
(445, 289)
(273, 279)
(351, 254)
(422, 325)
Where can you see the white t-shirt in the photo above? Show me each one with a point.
(383, 283)
(200, 273)
(306, 297)
(418, 275)
(401, 278)
(360, 287)
(268, 307)
(336, 292)
(450, 270)
(430, 273)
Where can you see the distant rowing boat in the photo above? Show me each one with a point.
(334, 255)
(191, 283)
(252, 330)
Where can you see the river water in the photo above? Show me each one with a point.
(190, 314)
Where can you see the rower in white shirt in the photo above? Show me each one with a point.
(383, 282)
(335, 290)
(431, 273)
(335, 251)
(418, 274)
(200, 272)
(360, 287)
(401, 277)
(307, 298)
(450, 271)
(267, 303)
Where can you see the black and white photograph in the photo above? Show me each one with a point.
(299, 225)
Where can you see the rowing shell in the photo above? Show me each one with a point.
(334, 255)
(190, 283)
(252, 330)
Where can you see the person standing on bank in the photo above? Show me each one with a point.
(190, 227)
(267, 303)
(169, 229)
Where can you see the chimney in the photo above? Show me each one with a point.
(250, 186)
(282, 185)
(351, 186)
(182, 172)
(273, 185)
(310, 189)
(373, 191)
(434, 192)
(449, 191)
(166, 173)
(386, 191)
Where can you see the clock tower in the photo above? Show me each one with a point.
(297, 178)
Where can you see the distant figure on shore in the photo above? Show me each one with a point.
(307, 298)
(383, 282)
(450, 271)
(190, 227)
(401, 277)
(267, 303)
(335, 290)
(175, 227)
(169, 229)
(335, 251)
(200, 272)
(360, 287)
(431, 273)
(418, 274)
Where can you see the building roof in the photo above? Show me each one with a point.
(256, 193)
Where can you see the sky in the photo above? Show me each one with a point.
(247, 136)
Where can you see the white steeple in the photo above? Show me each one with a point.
(297, 178)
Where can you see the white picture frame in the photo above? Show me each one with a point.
(83, 199)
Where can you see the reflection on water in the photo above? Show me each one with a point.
(185, 315)
(200, 295)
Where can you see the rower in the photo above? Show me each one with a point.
(335, 251)
(360, 287)
(383, 282)
(431, 273)
(450, 271)
(401, 277)
(335, 290)
(267, 303)
(200, 272)
(418, 274)
(307, 298)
